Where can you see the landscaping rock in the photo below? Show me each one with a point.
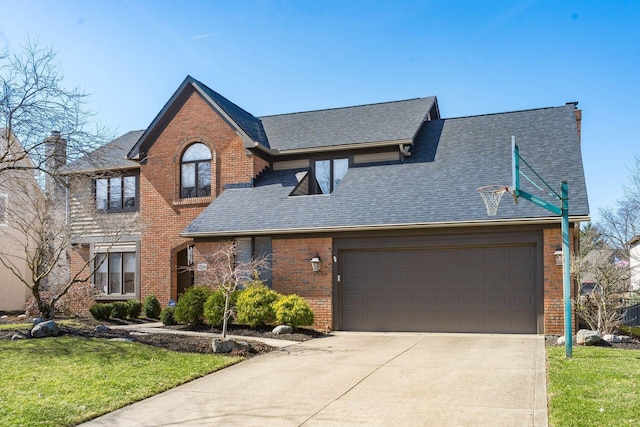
(45, 329)
(588, 337)
(624, 338)
(282, 329)
(611, 338)
(22, 316)
(102, 328)
(18, 336)
(4, 317)
(561, 340)
(227, 346)
(37, 320)
(121, 339)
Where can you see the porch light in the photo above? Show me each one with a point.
(558, 255)
(315, 263)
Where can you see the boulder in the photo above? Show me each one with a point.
(624, 338)
(45, 329)
(22, 316)
(4, 316)
(37, 320)
(102, 328)
(561, 340)
(18, 336)
(611, 338)
(588, 337)
(227, 346)
(282, 329)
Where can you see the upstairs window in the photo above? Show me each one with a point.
(329, 173)
(195, 171)
(117, 194)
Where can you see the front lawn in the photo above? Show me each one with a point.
(64, 381)
(599, 386)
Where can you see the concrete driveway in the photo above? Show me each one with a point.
(364, 379)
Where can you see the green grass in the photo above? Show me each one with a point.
(64, 381)
(633, 330)
(599, 386)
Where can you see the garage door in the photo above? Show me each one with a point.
(463, 289)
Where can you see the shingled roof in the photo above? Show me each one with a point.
(390, 122)
(435, 187)
(110, 156)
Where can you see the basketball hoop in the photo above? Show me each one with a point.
(492, 194)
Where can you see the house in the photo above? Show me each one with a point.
(16, 187)
(382, 195)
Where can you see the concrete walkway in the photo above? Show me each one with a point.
(364, 379)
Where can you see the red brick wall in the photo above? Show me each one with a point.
(164, 213)
(292, 274)
(553, 296)
(78, 257)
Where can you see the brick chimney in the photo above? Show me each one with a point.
(578, 118)
(56, 152)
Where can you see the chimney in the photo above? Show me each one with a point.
(56, 152)
(578, 118)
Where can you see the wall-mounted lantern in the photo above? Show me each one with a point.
(315, 263)
(558, 255)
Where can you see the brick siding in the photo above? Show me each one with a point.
(553, 295)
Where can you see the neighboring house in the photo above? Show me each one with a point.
(13, 186)
(383, 195)
(634, 263)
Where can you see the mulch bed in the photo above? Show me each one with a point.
(174, 342)
(552, 340)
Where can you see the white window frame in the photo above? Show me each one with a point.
(121, 248)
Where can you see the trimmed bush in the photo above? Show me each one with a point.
(293, 310)
(190, 306)
(151, 307)
(254, 306)
(134, 308)
(100, 311)
(167, 316)
(119, 310)
(214, 306)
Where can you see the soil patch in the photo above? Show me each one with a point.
(86, 328)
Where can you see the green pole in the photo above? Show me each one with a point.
(566, 272)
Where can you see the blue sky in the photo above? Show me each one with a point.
(274, 57)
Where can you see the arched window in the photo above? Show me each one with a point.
(195, 171)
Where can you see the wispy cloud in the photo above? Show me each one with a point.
(202, 36)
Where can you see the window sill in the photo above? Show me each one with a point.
(115, 297)
(193, 201)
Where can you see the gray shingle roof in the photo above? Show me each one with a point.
(110, 156)
(436, 185)
(388, 121)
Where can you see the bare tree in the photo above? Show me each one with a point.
(226, 273)
(33, 102)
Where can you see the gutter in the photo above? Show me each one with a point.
(322, 149)
(382, 227)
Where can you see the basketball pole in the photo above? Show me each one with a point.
(563, 211)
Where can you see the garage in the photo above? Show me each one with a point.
(489, 289)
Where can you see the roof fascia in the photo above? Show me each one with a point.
(381, 227)
(342, 147)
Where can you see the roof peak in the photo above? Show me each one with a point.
(507, 112)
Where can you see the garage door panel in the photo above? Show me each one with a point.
(462, 289)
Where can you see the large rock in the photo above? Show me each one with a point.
(45, 329)
(227, 346)
(282, 329)
(102, 328)
(588, 337)
(611, 338)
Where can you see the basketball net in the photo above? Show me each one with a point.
(492, 194)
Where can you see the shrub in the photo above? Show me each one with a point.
(293, 310)
(254, 306)
(167, 316)
(134, 309)
(151, 307)
(190, 307)
(75, 302)
(100, 311)
(214, 306)
(119, 310)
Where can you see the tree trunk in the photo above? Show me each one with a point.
(225, 316)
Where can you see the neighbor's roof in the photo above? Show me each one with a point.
(389, 122)
(110, 156)
(436, 186)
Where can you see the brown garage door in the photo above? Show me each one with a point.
(464, 289)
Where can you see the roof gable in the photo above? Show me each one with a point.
(110, 156)
(244, 123)
(383, 123)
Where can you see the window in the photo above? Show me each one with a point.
(3, 208)
(116, 273)
(117, 194)
(195, 171)
(329, 173)
(248, 248)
